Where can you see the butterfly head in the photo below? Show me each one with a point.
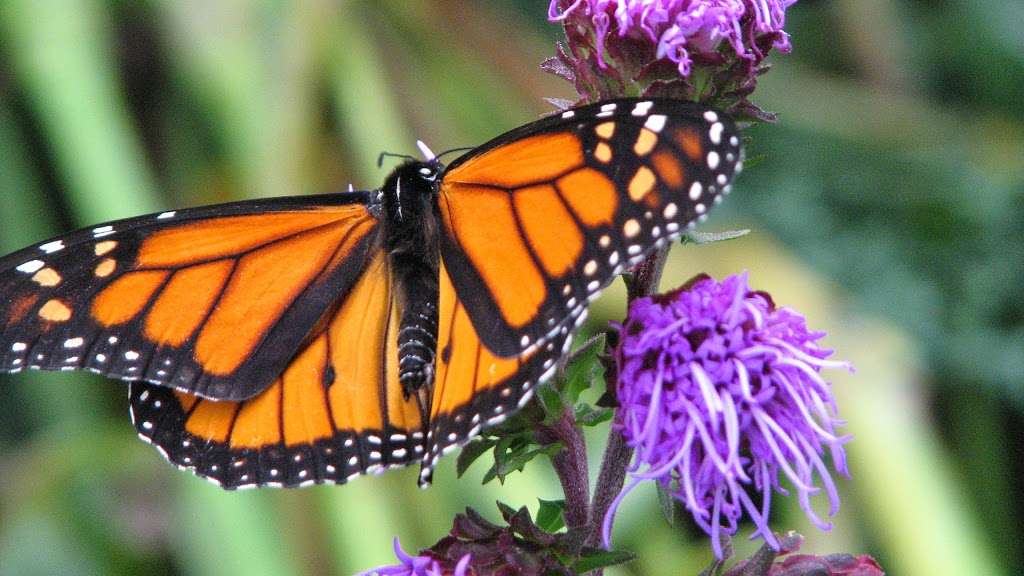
(410, 189)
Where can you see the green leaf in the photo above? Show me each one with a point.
(598, 559)
(507, 512)
(470, 453)
(552, 402)
(669, 506)
(517, 460)
(587, 415)
(700, 238)
(551, 515)
(583, 369)
(491, 474)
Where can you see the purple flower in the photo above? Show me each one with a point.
(617, 47)
(682, 28)
(719, 391)
(419, 566)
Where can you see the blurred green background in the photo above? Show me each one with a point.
(888, 207)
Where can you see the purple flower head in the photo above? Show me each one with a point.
(720, 391)
(620, 47)
(419, 566)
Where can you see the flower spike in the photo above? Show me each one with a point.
(719, 391)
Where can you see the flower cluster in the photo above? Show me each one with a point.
(705, 50)
(719, 390)
(419, 566)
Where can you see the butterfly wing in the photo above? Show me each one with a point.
(335, 412)
(539, 220)
(474, 388)
(214, 301)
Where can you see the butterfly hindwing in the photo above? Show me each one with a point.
(337, 411)
(474, 388)
(209, 300)
(538, 221)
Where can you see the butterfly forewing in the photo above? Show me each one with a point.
(538, 221)
(213, 300)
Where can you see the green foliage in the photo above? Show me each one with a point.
(551, 515)
(698, 238)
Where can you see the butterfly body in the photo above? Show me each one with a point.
(294, 341)
(410, 233)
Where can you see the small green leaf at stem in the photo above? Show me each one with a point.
(551, 515)
(597, 559)
(470, 453)
(587, 415)
(552, 402)
(701, 238)
(516, 461)
(583, 370)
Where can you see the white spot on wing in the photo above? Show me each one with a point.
(51, 247)
(31, 267)
(642, 108)
(713, 159)
(696, 190)
(656, 122)
(716, 132)
(73, 342)
(166, 215)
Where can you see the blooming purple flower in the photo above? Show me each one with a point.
(719, 390)
(419, 566)
(616, 47)
(684, 28)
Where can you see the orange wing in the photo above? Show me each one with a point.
(214, 301)
(474, 388)
(337, 410)
(539, 220)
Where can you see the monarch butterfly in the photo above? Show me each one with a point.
(303, 340)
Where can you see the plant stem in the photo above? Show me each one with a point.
(617, 455)
(571, 467)
(646, 275)
(609, 481)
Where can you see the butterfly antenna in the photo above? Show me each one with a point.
(380, 159)
(453, 150)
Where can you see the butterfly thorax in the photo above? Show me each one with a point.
(410, 226)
